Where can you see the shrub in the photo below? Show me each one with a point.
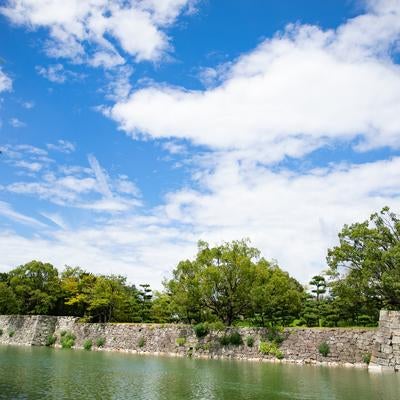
(141, 342)
(216, 326)
(11, 333)
(235, 338)
(100, 342)
(67, 340)
(275, 335)
(1, 332)
(270, 348)
(63, 333)
(250, 341)
(367, 358)
(50, 340)
(87, 344)
(224, 340)
(180, 341)
(324, 349)
(201, 330)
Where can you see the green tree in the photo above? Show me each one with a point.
(318, 284)
(369, 256)
(8, 300)
(36, 286)
(276, 297)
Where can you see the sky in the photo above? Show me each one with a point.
(131, 129)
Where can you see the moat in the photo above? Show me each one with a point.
(45, 373)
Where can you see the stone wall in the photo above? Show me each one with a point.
(386, 351)
(300, 345)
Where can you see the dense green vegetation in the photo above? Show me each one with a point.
(230, 284)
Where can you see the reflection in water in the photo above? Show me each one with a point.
(42, 373)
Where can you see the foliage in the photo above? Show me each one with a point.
(370, 253)
(367, 358)
(233, 338)
(67, 340)
(100, 342)
(50, 340)
(141, 342)
(275, 334)
(36, 286)
(270, 348)
(11, 333)
(324, 349)
(231, 281)
(180, 341)
(201, 330)
(1, 332)
(87, 344)
(250, 341)
(63, 333)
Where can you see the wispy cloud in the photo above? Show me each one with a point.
(63, 146)
(17, 123)
(5, 82)
(58, 74)
(7, 211)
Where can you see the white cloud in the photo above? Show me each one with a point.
(5, 82)
(290, 217)
(296, 92)
(87, 31)
(69, 186)
(17, 123)
(7, 211)
(63, 146)
(58, 74)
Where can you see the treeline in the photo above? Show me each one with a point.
(230, 283)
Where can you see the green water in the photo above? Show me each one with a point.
(42, 373)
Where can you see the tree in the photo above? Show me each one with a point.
(318, 284)
(8, 300)
(369, 256)
(276, 297)
(229, 282)
(36, 286)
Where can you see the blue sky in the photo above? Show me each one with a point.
(131, 129)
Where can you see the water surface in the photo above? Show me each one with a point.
(43, 373)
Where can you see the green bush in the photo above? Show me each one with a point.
(224, 340)
(216, 326)
(234, 338)
(87, 344)
(180, 341)
(1, 332)
(270, 348)
(141, 342)
(50, 340)
(275, 334)
(367, 358)
(63, 333)
(201, 329)
(100, 342)
(67, 340)
(250, 341)
(324, 349)
(11, 333)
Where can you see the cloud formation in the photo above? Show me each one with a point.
(5, 82)
(100, 32)
(296, 92)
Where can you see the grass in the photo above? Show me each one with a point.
(180, 341)
(324, 349)
(67, 340)
(87, 344)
